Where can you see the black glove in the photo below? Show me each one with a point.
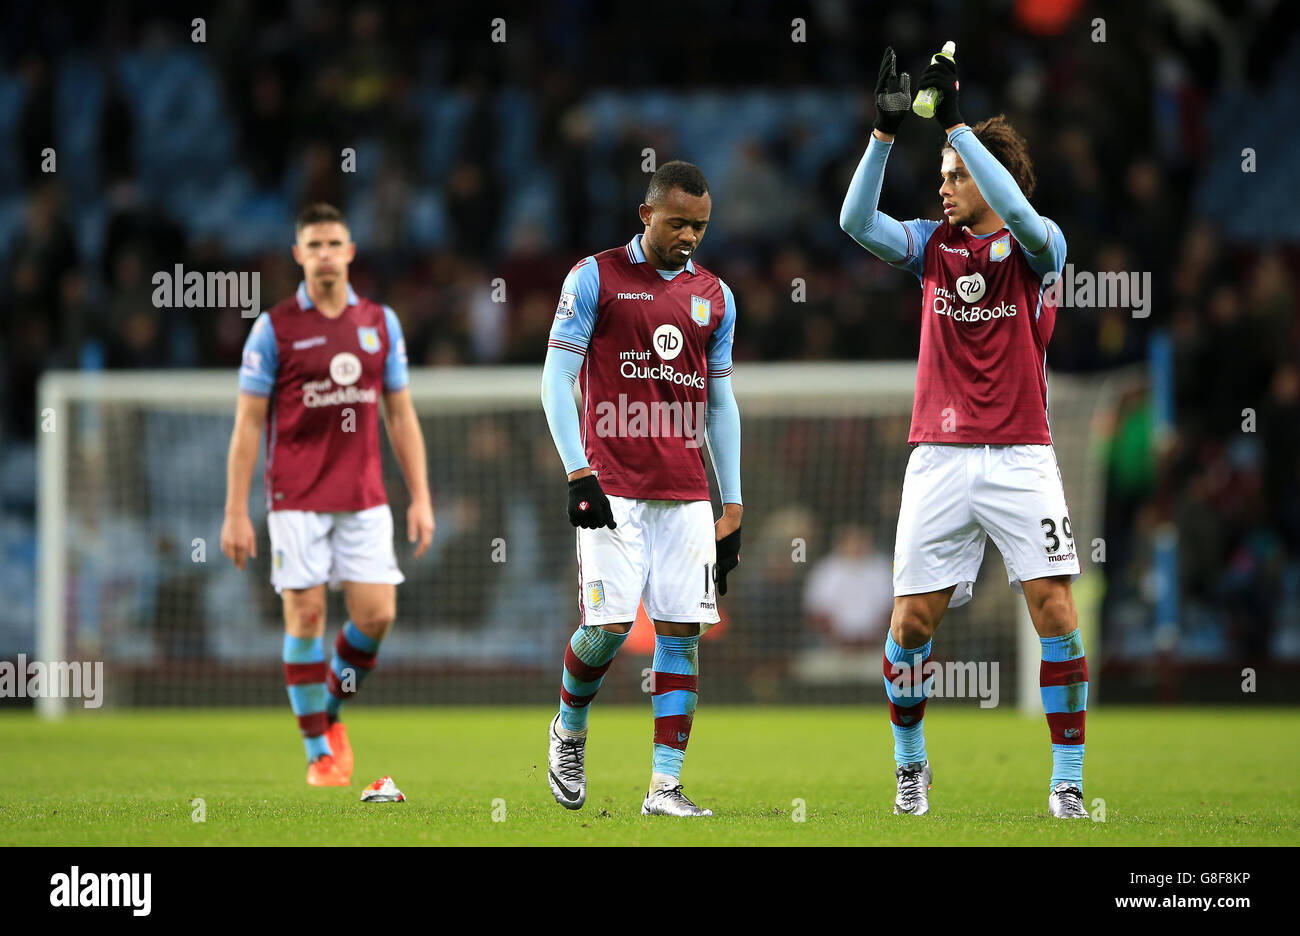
(942, 74)
(728, 558)
(893, 94)
(588, 506)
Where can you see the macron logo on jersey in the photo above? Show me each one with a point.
(641, 295)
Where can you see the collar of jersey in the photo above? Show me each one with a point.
(304, 302)
(637, 255)
(970, 233)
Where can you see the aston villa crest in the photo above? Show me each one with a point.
(369, 338)
(699, 310)
(596, 594)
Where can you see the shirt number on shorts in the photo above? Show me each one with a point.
(1052, 541)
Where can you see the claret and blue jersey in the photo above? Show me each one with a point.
(652, 349)
(987, 310)
(324, 377)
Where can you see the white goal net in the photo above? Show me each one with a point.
(132, 487)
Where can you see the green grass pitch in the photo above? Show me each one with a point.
(477, 776)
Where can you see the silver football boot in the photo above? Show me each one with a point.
(913, 798)
(1066, 802)
(670, 802)
(566, 773)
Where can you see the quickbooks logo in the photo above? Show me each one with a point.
(668, 345)
(945, 303)
(664, 372)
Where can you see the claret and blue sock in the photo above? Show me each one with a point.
(674, 693)
(1063, 682)
(304, 677)
(586, 659)
(906, 686)
(355, 655)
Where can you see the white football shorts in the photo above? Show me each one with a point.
(309, 548)
(661, 552)
(956, 496)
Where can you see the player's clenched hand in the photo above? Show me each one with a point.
(727, 533)
(942, 74)
(238, 541)
(588, 506)
(893, 94)
(728, 558)
(419, 526)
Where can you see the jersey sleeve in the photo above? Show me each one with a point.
(1000, 190)
(575, 316)
(1051, 259)
(558, 376)
(718, 349)
(395, 375)
(900, 244)
(261, 360)
(918, 233)
(722, 424)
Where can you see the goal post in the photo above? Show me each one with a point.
(131, 488)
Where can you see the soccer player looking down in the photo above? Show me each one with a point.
(982, 463)
(318, 363)
(643, 326)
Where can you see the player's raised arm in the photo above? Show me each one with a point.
(890, 240)
(575, 318)
(995, 182)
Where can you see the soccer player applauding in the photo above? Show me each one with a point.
(650, 334)
(982, 463)
(319, 362)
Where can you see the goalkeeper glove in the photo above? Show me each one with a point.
(588, 506)
(728, 558)
(942, 75)
(893, 94)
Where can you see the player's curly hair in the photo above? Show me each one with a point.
(1009, 148)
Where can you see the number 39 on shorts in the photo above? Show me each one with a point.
(1052, 542)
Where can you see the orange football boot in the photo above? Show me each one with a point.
(324, 772)
(337, 736)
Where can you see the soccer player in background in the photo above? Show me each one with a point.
(650, 334)
(982, 463)
(318, 362)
